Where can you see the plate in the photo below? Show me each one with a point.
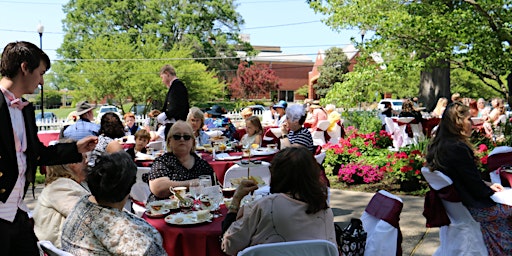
(159, 214)
(186, 219)
(263, 151)
(227, 158)
(236, 181)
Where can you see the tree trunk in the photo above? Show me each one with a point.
(434, 84)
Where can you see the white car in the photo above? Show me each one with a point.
(395, 104)
(106, 109)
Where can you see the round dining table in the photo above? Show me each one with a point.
(191, 240)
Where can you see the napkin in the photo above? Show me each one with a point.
(140, 155)
(214, 134)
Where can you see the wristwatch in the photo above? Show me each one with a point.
(233, 207)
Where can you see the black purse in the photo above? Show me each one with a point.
(352, 239)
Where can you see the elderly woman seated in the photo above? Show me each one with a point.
(64, 186)
(180, 165)
(98, 225)
(293, 131)
(296, 209)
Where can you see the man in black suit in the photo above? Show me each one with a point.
(22, 67)
(176, 104)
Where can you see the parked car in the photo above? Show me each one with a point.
(48, 117)
(140, 110)
(105, 109)
(395, 104)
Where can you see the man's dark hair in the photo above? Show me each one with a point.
(16, 53)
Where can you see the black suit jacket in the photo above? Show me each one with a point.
(176, 102)
(37, 153)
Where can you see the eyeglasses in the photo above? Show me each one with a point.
(178, 137)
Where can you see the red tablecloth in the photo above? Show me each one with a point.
(219, 166)
(46, 136)
(194, 240)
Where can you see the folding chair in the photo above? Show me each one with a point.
(237, 171)
(303, 248)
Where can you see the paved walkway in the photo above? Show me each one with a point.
(350, 204)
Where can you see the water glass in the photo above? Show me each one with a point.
(205, 180)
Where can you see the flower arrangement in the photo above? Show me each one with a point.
(365, 158)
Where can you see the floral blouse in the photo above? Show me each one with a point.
(91, 229)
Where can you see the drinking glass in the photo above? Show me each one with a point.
(205, 180)
(195, 190)
(216, 200)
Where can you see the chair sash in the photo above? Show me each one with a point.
(434, 210)
(387, 209)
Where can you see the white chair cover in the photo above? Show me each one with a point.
(140, 191)
(417, 131)
(237, 171)
(396, 132)
(381, 237)
(47, 247)
(318, 138)
(335, 134)
(463, 236)
(323, 125)
(303, 248)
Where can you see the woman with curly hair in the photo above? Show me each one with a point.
(111, 128)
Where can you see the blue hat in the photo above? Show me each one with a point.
(282, 104)
(216, 111)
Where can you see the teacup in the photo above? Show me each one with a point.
(180, 190)
(156, 207)
(246, 152)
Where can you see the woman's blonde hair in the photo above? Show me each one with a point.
(53, 172)
(173, 129)
(452, 127)
(195, 112)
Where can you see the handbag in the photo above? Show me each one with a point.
(351, 240)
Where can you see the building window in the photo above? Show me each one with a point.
(287, 96)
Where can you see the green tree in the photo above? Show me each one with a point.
(209, 27)
(52, 99)
(335, 65)
(131, 72)
(433, 36)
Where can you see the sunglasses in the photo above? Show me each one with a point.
(178, 137)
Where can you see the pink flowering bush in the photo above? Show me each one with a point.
(364, 158)
(359, 173)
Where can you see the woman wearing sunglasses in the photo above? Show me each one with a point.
(179, 165)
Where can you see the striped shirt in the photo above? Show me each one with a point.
(302, 137)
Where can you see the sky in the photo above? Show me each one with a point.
(290, 24)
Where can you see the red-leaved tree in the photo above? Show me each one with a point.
(252, 80)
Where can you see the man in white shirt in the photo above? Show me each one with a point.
(22, 67)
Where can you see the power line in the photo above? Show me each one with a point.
(285, 25)
(262, 58)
